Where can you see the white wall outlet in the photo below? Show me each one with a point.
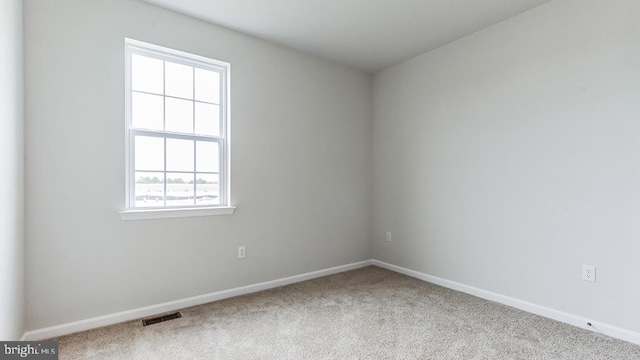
(589, 273)
(242, 252)
(388, 236)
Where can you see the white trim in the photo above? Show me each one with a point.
(180, 54)
(175, 213)
(571, 319)
(105, 320)
(100, 321)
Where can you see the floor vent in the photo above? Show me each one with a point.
(159, 319)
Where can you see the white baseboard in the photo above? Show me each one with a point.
(105, 320)
(100, 321)
(581, 322)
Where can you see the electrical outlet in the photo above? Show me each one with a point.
(388, 236)
(242, 252)
(589, 273)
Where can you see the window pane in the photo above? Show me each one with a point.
(149, 153)
(207, 86)
(179, 189)
(149, 189)
(179, 155)
(146, 111)
(207, 156)
(207, 119)
(146, 74)
(176, 129)
(179, 80)
(207, 189)
(179, 116)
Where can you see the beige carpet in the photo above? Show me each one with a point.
(369, 313)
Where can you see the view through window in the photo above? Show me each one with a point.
(177, 128)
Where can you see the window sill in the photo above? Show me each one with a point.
(175, 213)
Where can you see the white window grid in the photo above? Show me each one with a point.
(153, 51)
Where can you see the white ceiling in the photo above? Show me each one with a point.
(368, 34)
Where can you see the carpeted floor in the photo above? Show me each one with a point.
(369, 313)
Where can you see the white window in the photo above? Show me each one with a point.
(177, 113)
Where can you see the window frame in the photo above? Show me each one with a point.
(132, 212)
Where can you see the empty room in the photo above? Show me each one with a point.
(285, 179)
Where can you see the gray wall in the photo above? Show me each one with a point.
(503, 161)
(11, 167)
(301, 165)
(509, 158)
